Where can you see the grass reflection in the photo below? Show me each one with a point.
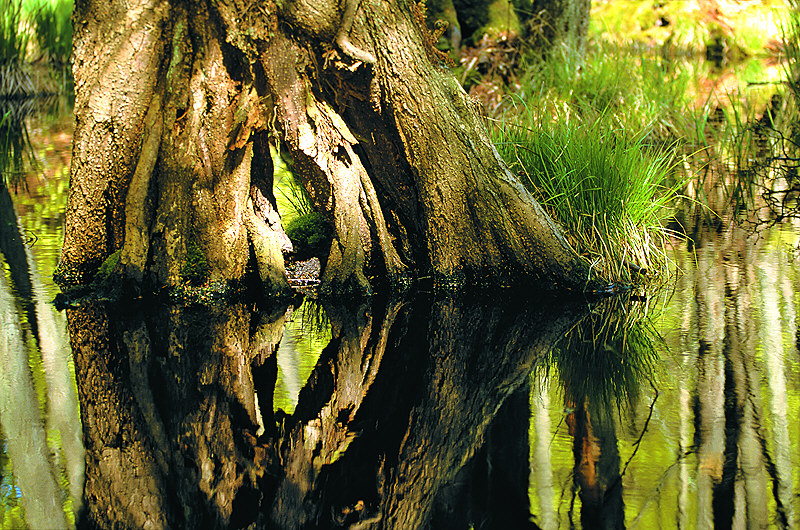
(599, 367)
(606, 357)
(306, 334)
(16, 152)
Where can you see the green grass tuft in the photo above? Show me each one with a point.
(13, 41)
(606, 188)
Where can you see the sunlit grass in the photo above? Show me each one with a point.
(292, 199)
(606, 187)
(712, 124)
(13, 39)
(636, 91)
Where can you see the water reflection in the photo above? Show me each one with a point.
(399, 401)
(41, 452)
(718, 445)
(400, 414)
(599, 366)
(307, 332)
(42, 464)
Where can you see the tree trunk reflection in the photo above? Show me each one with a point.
(180, 430)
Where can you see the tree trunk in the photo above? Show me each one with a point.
(173, 112)
(555, 22)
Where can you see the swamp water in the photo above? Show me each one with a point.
(452, 412)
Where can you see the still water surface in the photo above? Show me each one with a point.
(446, 413)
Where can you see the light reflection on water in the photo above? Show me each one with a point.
(305, 335)
(720, 446)
(42, 451)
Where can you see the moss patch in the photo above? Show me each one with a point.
(107, 267)
(195, 270)
(311, 235)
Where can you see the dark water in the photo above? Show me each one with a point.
(678, 411)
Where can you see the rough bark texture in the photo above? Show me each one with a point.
(172, 111)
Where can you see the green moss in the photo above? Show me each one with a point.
(108, 266)
(311, 235)
(195, 270)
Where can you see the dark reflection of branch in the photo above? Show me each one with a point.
(180, 431)
(491, 491)
(448, 370)
(12, 246)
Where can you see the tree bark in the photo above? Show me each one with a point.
(172, 109)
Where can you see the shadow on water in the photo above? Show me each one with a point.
(398, 402)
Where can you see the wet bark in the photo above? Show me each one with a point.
(172, 111)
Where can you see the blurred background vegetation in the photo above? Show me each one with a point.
(639, 121)
(35, 44)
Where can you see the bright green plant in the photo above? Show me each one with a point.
(606, 187)
(310, 232)
(14, 80)
(311, 235)
(53, 28)
(108, 266)
(609, 84)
